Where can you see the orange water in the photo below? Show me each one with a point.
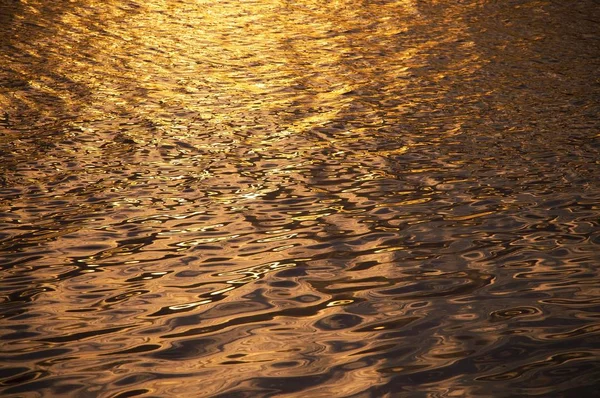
(299, 198)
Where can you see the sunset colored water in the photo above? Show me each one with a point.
(272, 198)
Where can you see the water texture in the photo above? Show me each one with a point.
(254, 198)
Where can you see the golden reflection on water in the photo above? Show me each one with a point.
(298, 198)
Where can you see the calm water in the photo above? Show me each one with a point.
(252, 198)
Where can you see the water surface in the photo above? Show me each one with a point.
(299, 198)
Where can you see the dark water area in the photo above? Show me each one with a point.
(257, 198)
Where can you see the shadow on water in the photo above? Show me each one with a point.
(35, 91)
(383, 198)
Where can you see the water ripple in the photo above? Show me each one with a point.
(273, 198)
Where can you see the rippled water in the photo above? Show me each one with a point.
(269, 197)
